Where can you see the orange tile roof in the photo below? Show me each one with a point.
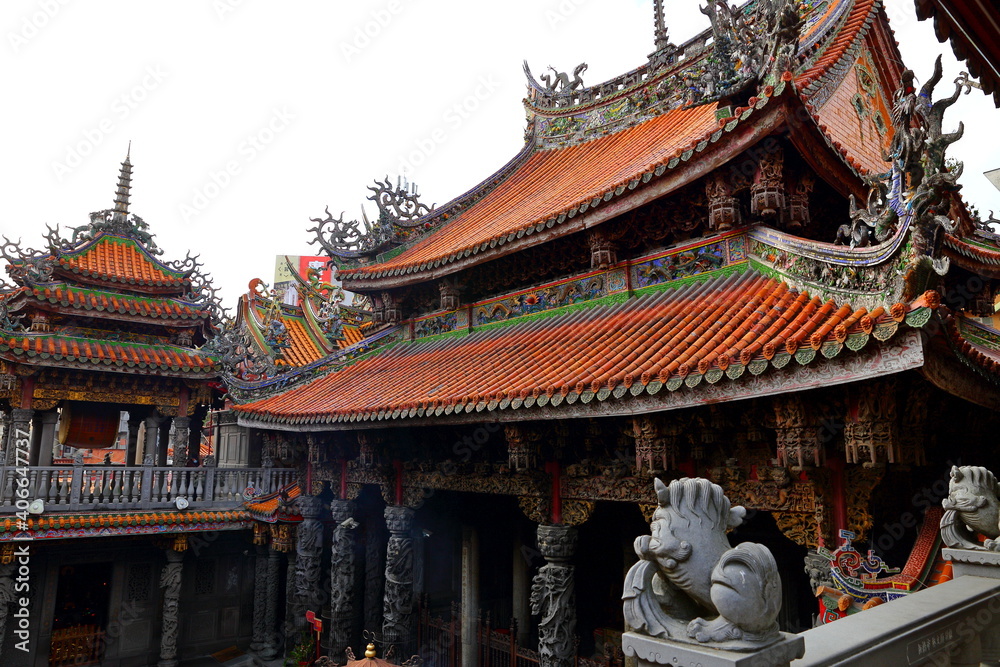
(108, 355)
(125, 304)
(553, 182)
(700, 328)
(975, 255)
(977, 343)
(303, 349)
(846, 36)
(354, 334)
(120, 260)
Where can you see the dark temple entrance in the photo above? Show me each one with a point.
(81, 614)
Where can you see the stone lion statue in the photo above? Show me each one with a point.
(971, 509)
(690, 585)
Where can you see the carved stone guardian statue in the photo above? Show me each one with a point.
(693, 592)
(971, 509)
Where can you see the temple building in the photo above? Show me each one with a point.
(746, 260)
(131, 557)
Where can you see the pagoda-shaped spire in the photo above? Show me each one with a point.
(660, 33)
(124, 185)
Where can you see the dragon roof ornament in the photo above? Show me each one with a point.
(918, 183)
(745, 48)
(401, 217)
(237, 356)
(326, 300)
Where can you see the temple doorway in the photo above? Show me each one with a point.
(81, 614)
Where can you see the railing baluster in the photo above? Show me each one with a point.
(8, 486)
(115, 496)
(65, 476)
(52, 494)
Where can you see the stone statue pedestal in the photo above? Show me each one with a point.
(973, 562)
(651, 651)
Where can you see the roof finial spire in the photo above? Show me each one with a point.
(660, 34)
(124, 185)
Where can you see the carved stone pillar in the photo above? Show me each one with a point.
(397, 607)
(131, 446)
(20, 430)
(553, 597)
(179, 440)
(309, 549)
(292, 620)
(163, 442)
(170, 582)
(602, 249)
(149, 445)
(272, 640)
(258, 640)
(342, 614)
(7, 596)
(5, 422)
(47, 442)
(470, 596)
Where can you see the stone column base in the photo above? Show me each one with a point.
(651, 651)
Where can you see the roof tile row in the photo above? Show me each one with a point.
(120, 260)
(114, 302)
(660, 337)
(107, 353)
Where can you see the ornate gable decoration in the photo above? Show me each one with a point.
(919, 185)
(402, 217)
(745, 47)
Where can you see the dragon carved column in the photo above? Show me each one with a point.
(6, 597)
(397, 608)
(258, 641)
(170, 582)
(20, 429)
(293, 619)
(180, 438)
(553, 597)
(272, 637)
(342, 614)
(309, 547)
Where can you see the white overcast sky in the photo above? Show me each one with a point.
(305, 109)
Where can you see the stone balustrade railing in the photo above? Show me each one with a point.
(117, 488)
